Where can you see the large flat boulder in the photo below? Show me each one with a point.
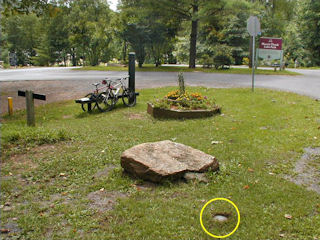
(166, 159)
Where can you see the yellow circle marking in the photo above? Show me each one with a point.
(217, 199)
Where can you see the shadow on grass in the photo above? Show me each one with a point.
(87, 114)
(166, 182)
(96, 111)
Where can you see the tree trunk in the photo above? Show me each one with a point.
(193, 38)
(73, 57)
(124, 51)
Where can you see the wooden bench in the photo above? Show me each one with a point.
(89, 102)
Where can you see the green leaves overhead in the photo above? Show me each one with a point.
(87, 32)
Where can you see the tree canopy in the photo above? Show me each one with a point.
(87, 32)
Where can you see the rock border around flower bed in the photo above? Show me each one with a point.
(181, 114)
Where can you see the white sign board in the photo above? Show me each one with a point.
(253, 26)
(269, 54)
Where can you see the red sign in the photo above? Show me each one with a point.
(271, 43)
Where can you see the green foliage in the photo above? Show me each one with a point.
(245, 61)
(21, 36)
(222, 57)
(181, 49)
(79, 29)
(42, 58)
(206, 60)
(138, 37)
(9, 7)
(310, 34)
(88, 32)
(149, 31)
(235, 34)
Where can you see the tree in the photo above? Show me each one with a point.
(148, 30)
(90, 31)
(235, 35)
(9, 7)
(138, 37)
(310, 29)
(22, 36)
(192, 11)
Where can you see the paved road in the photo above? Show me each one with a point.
(65, 83)
(307, 84)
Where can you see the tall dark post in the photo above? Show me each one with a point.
(132, 75)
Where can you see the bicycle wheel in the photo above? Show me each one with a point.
(85, 106)
(128, 95)
(105, 101)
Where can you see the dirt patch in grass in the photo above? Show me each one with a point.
(103, 200)
(135, 116)
(104, 172)
(146, 186)
(307, 170)
(179, 195)
(59, 198)
(67, 116)
(10, 230)
(23, 161)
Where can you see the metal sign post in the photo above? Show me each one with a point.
(253, 60)
(253, 27)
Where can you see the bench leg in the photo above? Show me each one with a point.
(89, 107)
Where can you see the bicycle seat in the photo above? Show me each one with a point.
(95, 84)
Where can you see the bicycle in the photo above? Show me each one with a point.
(117, 89)
(95, 98)
(106, 97)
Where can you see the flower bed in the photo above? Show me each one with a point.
(182, 104)
(175, 100)
(185, 105)
(158, 112)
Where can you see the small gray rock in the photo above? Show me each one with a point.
(220, 218)
(7, 209)
(192, 176)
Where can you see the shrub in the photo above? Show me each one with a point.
(245, 61)
(206, 61)
(222, 57)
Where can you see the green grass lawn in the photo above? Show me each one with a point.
(152, 68)
(49, 173)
